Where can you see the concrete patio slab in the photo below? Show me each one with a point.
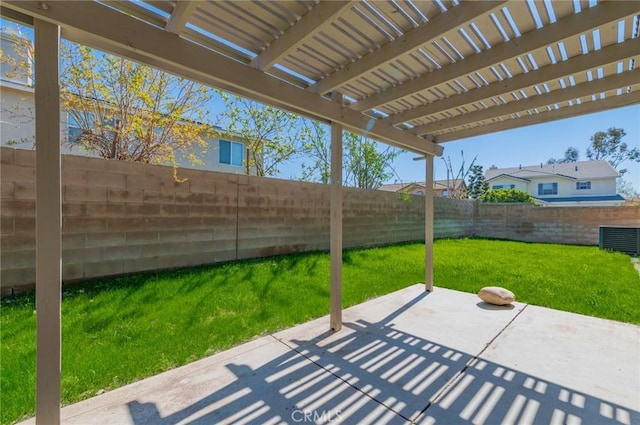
(549, 367)
(403, 350)
(554, 367)
(437, 358)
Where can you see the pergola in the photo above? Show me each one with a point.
(409, 73)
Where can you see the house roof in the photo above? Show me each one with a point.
(411, 73)
(437, 184)
(603, 198)
(580, 170)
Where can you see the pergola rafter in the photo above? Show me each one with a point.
(623, 80)
(614, 53)
(586, 106)
(576, 24)
(436, 28)
(319, 17)
(180, 16)
(405, 69)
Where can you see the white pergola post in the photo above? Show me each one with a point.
(428, 224)
(336, 222)
(48, 223)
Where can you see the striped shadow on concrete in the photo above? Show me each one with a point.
(438, 358)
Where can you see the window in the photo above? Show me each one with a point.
(583, 185)
(547, 188)
(74, 130)
(503, 186)
(231, 153)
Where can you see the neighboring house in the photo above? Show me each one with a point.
(17, 123)
(442, 188)
(584, 183)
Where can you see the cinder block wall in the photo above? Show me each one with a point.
(570, 225)
(121, 217)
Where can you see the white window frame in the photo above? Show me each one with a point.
(586, 185)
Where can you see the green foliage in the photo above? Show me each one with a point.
(366, 164)
(477, 186)
(129, 111)
(598, 283)
(506, 196)
(119, 330)
(317, 148)
(272, 135)
(18, 64)
(609, 145)
(124, 110)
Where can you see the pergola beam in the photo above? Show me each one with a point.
(321, 15)
(575, 65)
(92, 24)
(434, 29)
(584, 21)
(578, 91)
(180, 15)
(589, 107)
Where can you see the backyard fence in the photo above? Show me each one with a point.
(121, 217)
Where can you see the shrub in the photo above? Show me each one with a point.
(506, 195)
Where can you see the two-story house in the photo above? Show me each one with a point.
(584, 183)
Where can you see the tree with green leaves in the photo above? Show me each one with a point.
(477, 185)
(608, 145)
(366, 164)
(507, 196)
(272, 135)
(317, 150)
(128, 111)
(120, 109)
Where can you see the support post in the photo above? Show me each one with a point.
(428, 224)
(48, 223)
(336, 222)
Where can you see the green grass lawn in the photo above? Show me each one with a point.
(120, 330)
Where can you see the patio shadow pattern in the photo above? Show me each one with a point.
(379, 372)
